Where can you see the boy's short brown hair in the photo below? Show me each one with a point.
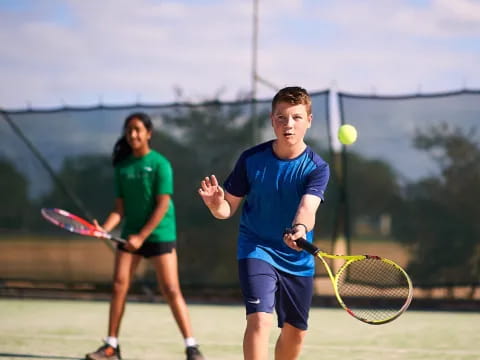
(294, 95)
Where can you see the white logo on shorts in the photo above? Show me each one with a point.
(257, 301)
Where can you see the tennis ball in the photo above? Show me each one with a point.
(347, 134)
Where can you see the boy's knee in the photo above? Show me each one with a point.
(258, 321)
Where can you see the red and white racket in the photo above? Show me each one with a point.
(76, 224)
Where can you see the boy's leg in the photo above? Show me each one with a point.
(257, 332)
(289, 343)
(258, 280)
(293, 301)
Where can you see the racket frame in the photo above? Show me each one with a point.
(90, 230)
(312, 249)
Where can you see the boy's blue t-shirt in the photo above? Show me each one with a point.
(273, 188)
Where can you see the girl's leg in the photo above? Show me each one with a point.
(125, 266)
(166, 269)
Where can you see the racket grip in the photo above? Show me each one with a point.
(305, 245)
(117, 239)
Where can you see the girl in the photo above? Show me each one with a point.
(143, 186)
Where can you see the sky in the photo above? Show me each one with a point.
(57, 53)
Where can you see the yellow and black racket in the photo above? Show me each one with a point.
(370, 288)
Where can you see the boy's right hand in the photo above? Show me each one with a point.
(212, 194)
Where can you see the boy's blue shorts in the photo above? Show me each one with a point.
(265, 288)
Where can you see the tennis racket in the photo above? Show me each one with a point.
(76, 224)
(370, 288)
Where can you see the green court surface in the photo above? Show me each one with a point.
(67, 329)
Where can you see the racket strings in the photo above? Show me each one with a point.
(373, 289)
(67, 222)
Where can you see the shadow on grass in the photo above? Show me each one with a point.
(33, 356)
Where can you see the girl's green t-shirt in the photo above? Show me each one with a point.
(138, 181)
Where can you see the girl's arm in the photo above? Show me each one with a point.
(162, 204)
(114, 218)
(135, 241)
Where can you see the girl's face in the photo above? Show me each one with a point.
(138, 136)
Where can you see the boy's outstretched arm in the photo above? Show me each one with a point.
(304, 220)
(221, 204)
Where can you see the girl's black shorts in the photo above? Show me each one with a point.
(150, 248)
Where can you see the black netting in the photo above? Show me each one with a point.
(61, 159)
(412, 182)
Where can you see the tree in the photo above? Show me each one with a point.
(440, 213)
(15, 202)
(83, 185)
(372, 188)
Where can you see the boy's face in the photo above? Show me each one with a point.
(290, 122)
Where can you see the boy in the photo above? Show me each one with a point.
(283, 182)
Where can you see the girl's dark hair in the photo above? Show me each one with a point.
(122, 149)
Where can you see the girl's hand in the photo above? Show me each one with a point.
(212, 194)
(97, 226)
(134, 243)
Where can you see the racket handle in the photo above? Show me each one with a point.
(305, 245)
(117, 239)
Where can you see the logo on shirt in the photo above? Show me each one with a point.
(256, 301)
(147, 168)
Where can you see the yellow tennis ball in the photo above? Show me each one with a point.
(347, 134)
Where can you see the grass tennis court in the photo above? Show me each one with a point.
(67, 329)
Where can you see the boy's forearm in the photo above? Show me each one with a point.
(221, 211)
(307, 221)
(305, 215)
